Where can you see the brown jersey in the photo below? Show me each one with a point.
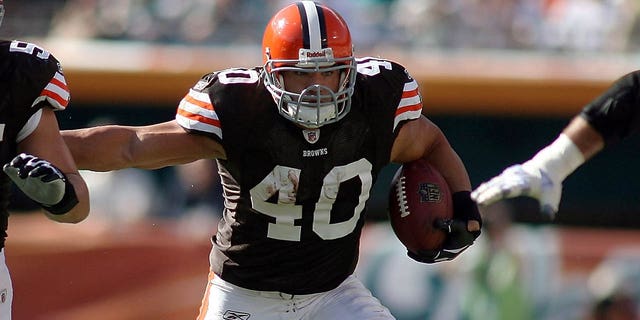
(30, 78)
(295, 198)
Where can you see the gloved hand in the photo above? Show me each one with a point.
(522, 180)
(459, 236)
(43, 182)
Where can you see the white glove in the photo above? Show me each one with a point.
(37, 178)
(521, 180)
(541, 177)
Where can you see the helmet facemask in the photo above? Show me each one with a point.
(315, 105)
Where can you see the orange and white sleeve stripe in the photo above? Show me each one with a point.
(196, 112)
(55, 92)
(410, 106)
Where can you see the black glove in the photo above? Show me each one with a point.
(43, 182)
(458, 237)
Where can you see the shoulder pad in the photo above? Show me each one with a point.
(205, 81)
(40, 75)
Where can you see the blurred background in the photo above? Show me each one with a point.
(500, 77)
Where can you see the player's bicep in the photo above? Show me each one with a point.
(415, 139)
(421, 138)
(46, 142)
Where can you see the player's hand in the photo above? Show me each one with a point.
(461, 231)
(458, 239)
(521, 180)
(37, 178)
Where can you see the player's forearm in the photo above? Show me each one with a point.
(455, 173)
(447, 161)
(577, 143)
(81, 210)
(585, 137)
(102, 148)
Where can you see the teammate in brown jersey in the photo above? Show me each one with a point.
(299, 142)
(35, 158)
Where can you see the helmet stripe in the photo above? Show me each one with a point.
(314, 29)
(323, 27)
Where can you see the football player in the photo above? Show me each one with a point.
(299, 142)
(609, 118)
(35, 158)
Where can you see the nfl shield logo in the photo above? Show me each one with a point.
(3, 295)
(311, 136)
(429, 192)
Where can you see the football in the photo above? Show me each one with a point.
(419, 195)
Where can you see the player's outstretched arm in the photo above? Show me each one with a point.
(541, 177)
(113, 147)
(611, 117)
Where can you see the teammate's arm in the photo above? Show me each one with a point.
(112, 147)
(46, 143)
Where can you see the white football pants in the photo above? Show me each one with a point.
(6, 289)
(350, 300)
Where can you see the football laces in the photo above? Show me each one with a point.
(401, 196)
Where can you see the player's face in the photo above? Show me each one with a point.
(296, 81)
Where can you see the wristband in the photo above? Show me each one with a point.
(68, 201)
(558, 160)
(463, 204)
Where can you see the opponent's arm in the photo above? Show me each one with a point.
(46, 172)
(112, 147)
(611, 117)
(421, 138)
(585, 137)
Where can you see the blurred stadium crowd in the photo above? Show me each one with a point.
(549, 25)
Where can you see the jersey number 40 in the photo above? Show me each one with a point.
(283, 180)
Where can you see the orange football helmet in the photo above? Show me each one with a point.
(309, 37)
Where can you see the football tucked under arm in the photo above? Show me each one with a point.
(429, 220)
(418, 197)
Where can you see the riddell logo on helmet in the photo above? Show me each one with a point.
(316, 54)
(324, 54)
